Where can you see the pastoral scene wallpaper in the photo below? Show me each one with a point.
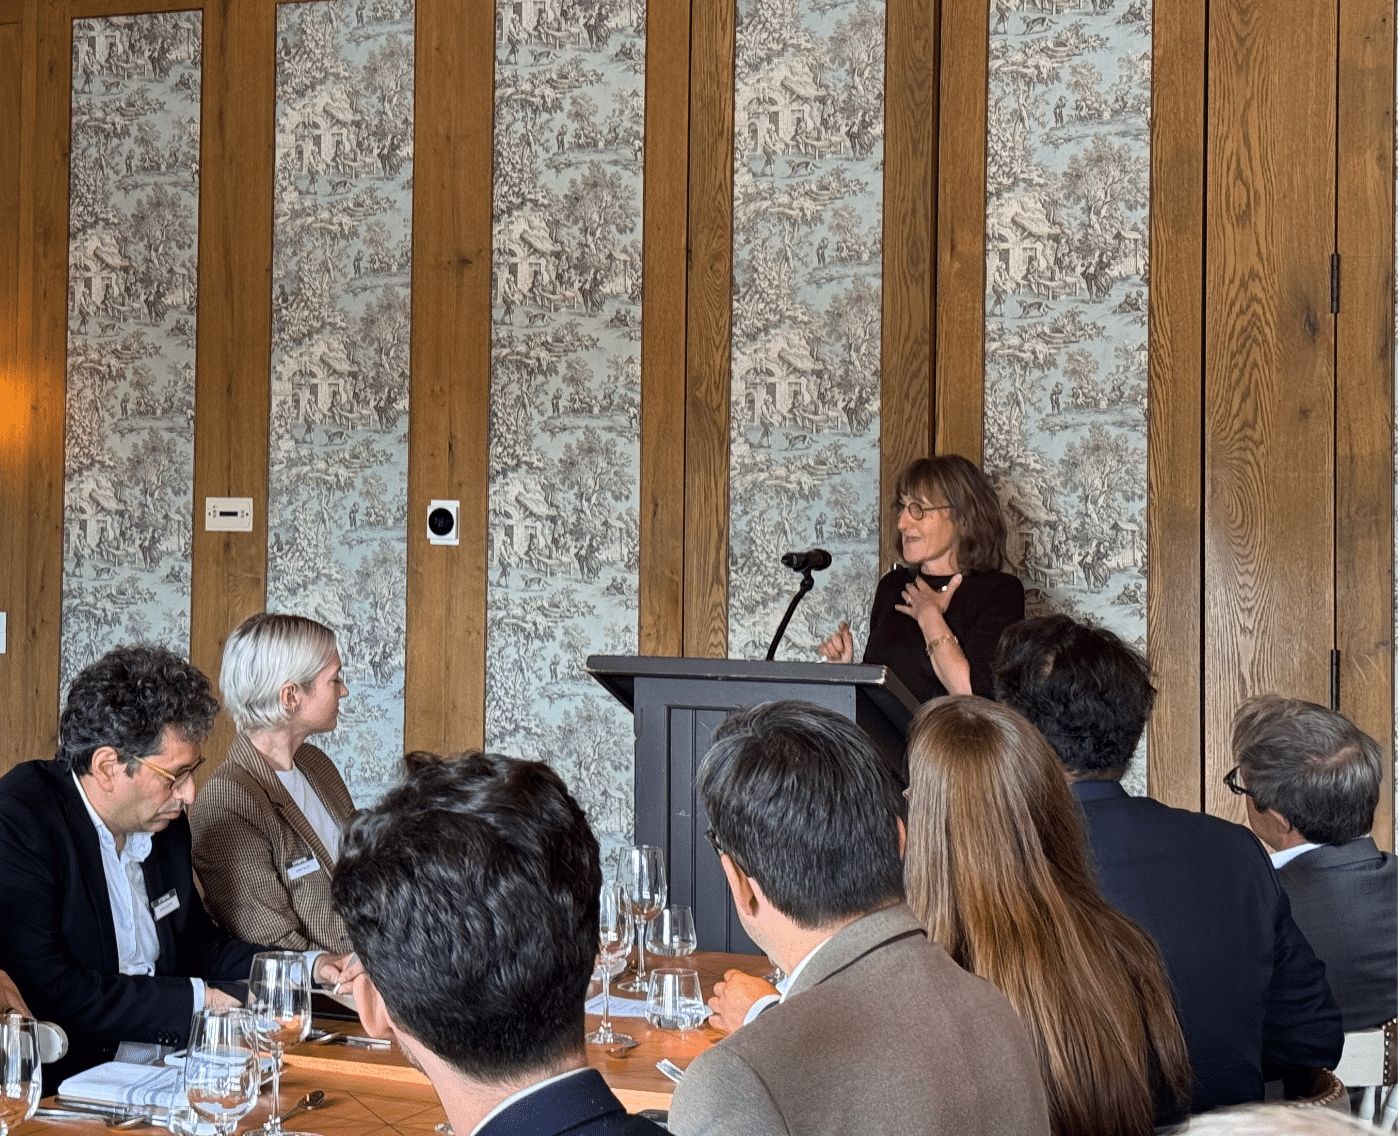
(338, 467)
(129, 430)
(1066, 326)
(805, 362)
(566, 390)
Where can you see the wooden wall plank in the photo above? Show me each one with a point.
(1174, 342)
(450, 377)
(31, 477)
(708, 305)
(911, 177)
(959, 290)
(660, 619)
(1269, 362)
(88, 9)
(1366, 378)
(228, 571)
(12, 12)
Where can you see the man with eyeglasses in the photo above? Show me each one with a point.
(100, 923)
(1252, 997)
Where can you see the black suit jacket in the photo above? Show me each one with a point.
(57, 940)
(581, 1105)
(1343, 898)
(1252, 995)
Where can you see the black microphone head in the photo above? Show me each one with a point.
(813, 560)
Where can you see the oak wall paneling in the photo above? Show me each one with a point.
(1175, 337)
(1269, 375)
(911, 180)
(1365, 427)
(662, 499)
(450, 362)
(960, 288)
(228, 573)
(31, 481)
(708, 305)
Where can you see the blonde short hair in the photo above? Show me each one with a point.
(264, 653)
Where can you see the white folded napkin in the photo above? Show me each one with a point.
(618, 1006)
(116, 1082)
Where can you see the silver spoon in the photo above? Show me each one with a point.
(314, 1099)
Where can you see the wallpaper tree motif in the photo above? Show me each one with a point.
(342, 226)
(129, 456)
(805, 361)
(1066, 331)
(566, 390)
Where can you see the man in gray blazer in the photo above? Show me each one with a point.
(878, 1031)
(1311, 780)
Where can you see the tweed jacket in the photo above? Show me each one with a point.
(251, 850)
(881, 1032)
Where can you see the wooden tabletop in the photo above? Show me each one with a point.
(378, 1093)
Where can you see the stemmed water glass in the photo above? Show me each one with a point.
(221, 1067)
(614, 941)
(641, 875)
(279, 994)
(20, 1075)
(672, 932)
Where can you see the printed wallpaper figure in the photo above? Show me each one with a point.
(338, 485)
(805, 360)
(132, 278)
(566, 390)
(1066, 326)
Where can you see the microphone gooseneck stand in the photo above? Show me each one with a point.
(802, 589)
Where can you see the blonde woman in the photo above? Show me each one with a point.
(267, 823)
(996, 869)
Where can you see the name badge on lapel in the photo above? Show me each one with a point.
(166, 904)
(303, 867)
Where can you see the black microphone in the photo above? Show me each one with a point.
(813, 560)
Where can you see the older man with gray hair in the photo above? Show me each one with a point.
(1311, 780)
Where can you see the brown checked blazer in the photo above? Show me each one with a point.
(248, 833)
(881, 1034)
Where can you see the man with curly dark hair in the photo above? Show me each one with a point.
(100, 923)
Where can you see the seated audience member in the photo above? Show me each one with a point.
(471, 894)
(1251, 994)
(1311, 780)
(267, 823)
(996, 869)
(100, 923)
(879, 1031)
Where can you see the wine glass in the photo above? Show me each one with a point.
(672, 932)
(641, 874)
(614, 941)
(674, 1001)
(20, 1073)
(279, 994)
(221, 1067)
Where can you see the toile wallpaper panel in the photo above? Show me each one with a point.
(1065, 412)
(132, 305)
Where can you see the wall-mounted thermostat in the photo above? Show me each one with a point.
(228, 514)
(442, 522)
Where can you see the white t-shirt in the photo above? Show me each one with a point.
(305, 798)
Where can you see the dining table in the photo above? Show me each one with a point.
(377, 1092)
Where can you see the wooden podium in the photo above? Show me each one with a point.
(676, 706)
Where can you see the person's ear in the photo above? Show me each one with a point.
(374, 1015)
(289, 696)
(740, 886)
(106, 766)
(903, 835)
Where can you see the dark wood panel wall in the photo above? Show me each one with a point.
(1247, 362)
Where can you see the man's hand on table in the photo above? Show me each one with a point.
(9, 997)
(734, 996)
(338, 971)
(216, 999)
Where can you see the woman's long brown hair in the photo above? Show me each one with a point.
(996, 869)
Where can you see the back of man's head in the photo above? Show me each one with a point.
(1082, 687)
(1314, 766)
(126, 700)
(470, 893)
(803, 804)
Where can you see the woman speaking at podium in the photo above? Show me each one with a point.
(937, 617)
